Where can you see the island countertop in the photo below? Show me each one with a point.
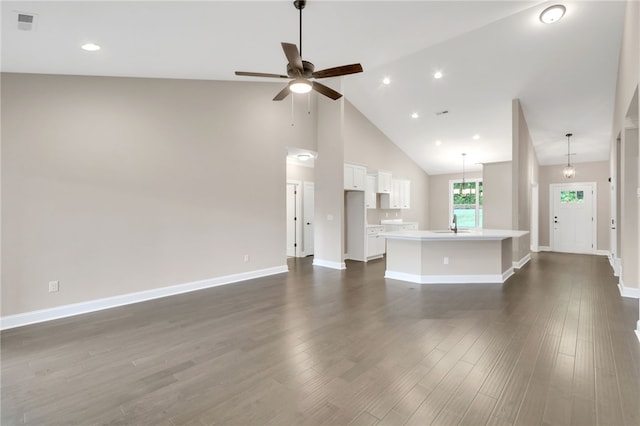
(463, 234)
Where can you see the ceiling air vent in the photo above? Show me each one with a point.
(26, 21)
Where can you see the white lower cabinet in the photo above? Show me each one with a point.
(375, 242)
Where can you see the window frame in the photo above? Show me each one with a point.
(477, 181)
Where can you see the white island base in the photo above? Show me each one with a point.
(428, 257)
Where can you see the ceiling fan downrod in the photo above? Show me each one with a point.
(300, 4)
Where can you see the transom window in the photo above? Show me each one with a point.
(465, 201)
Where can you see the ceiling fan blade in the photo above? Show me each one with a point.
(327, 91)
(338, 71)
(282, 94)
(293, 56)
(260, 74)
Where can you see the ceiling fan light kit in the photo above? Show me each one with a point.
(302, 72)
(300, 85)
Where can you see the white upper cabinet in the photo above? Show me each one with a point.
(400, 196)
(354, 177)
(405, 194)
(370, 193)
(384, 182)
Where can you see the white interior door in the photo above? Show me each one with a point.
(292, 219)
(572, 217)
(308, 213)
(533, 226)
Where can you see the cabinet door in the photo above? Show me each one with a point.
(396, 194)
(348, 176)
(371, 245)
(380, 244)
(370, 193)
(354, 177)
(359, 178)
(375, 245)
(384, 182)
(405, 194)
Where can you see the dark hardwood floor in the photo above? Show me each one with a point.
(553, 345)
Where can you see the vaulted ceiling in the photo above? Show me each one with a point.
(489, 52)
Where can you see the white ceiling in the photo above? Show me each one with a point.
(489, 52)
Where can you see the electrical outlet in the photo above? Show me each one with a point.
(54, 286)
(446, 260)
(246, 258)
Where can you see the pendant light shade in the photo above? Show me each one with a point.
(569, 171)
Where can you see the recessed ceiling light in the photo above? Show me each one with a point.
(415, 115)
(438, 143)
(552, 14)
(305, 157)
(386, 80)
(476, 137)
(437, 74)
(91, 47)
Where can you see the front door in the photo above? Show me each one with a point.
(572, 217)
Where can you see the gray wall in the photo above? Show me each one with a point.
(597, 172)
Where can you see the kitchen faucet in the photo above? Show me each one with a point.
(454, 225)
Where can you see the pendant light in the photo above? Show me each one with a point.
(569, 171)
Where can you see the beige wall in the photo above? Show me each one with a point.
(597, 172)
(365, 144)
(497, 206)
(120, 185)
(524, 171)
(439, 198)
(329, 184)
(301, 173)
(625, 125)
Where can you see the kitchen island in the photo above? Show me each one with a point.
(446, 257)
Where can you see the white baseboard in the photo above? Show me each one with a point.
(633, 293)
(616, 264)
(544, 248)
(601, 253)
(329, 264)
(33, 317)
(534, 249)
(450, 279)
(638, 330)
(520, 263)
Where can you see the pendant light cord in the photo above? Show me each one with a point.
(463, 156)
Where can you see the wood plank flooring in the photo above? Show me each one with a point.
(554, 345)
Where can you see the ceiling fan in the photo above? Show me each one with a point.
(301, 72)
